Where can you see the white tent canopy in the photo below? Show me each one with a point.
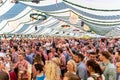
(101, 17)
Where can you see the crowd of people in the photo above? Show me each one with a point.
(59, 58)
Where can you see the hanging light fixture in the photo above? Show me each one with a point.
(86, 27)
(73, 18)
(65, 26)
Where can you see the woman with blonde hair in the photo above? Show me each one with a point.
(51, 71)
(56, 60)
(71, 66)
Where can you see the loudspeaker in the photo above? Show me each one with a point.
(35, 27)
(82, 23)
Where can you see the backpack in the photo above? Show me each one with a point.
(97, 77)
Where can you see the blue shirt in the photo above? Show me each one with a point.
(67, 56)
(40, 77)
(82, 71)
(118, 77)
(30, 58)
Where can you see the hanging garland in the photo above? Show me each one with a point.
(97, 22)
(90, 8)
(36, 16)
(93, 21)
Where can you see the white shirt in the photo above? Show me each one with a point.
(91, 78)
(2, 54)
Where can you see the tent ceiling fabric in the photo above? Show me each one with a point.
(114, 32)
(96, 17)
(101, 30)
(97, 4)
(101, 17)
(47, 5)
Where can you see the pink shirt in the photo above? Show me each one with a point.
(45, 55)
(62, 61)
(51, 55)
